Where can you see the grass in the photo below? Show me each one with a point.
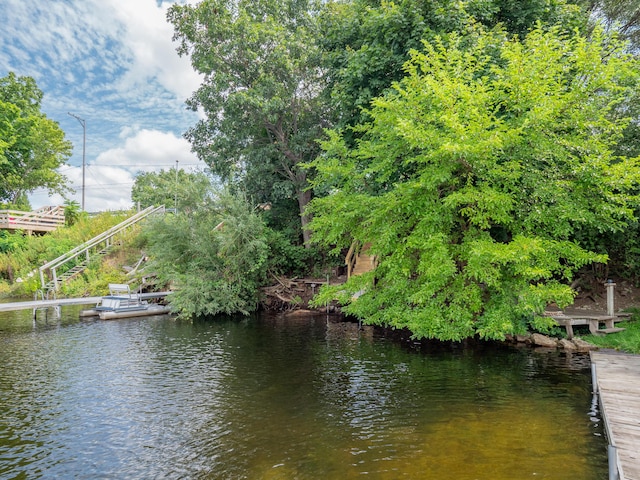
(626, 341)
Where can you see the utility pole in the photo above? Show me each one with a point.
(175, 198)
(84, 148)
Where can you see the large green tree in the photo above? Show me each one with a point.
(32, 146)
(621, 18)
(260, 92)
(216, 257)
(473, 176)
(366, 42)
(170, 188)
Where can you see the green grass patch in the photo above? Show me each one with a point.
(627, 341)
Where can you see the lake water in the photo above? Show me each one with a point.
(276, 398)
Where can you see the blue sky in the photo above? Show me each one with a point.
(112, 63)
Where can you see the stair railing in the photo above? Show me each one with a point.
(351, 257)
(85, 247)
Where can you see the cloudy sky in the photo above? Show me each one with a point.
(113, 64)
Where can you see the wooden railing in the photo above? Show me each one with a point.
(350, 258)
(358, 261)
(45, 219)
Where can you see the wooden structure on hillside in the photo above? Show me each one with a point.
(616, 381)
(45, 219)
(358, 260)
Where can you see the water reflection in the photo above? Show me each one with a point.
(283, 398)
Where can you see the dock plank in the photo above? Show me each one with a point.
(618, 385)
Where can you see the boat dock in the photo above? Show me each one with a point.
(57, 303)
(616, 381)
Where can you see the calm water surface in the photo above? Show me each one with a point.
(266, 398)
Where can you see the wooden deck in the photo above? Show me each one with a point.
(617, 382)
(45, 219)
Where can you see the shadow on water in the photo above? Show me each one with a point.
(273, 397)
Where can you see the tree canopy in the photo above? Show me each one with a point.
(170, 187)
(621, 16)
(261, 90)
(32, 146)
(216, 257)
(366, 42)
(474, 175)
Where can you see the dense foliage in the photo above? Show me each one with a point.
(32, 146)
(365, 43)
(215, 258)
(473, 177)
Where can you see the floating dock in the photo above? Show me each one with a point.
(57, 303)
(616, 380)
(150, 309)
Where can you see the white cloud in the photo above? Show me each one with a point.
(109, 179)
(146, 150)
(149, 38)
(114, 64)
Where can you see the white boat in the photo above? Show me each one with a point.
(121, 303)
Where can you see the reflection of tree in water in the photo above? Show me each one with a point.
(302, 397)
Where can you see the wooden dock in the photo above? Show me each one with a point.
(45, 219)
(617, 383)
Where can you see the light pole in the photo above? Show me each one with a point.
(84, 146)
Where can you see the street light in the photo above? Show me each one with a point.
(84, 146)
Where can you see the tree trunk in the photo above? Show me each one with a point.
(304, 197)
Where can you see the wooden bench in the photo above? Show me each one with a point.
(593, 321)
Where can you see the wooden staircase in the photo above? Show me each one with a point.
(358, 259)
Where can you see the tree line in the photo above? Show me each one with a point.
(485, 152)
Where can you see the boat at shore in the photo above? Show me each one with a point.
(121, 303)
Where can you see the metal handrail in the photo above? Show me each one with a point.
(104, 236)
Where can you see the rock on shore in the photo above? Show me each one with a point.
(540, 340)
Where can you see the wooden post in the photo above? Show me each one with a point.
(610, 299)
